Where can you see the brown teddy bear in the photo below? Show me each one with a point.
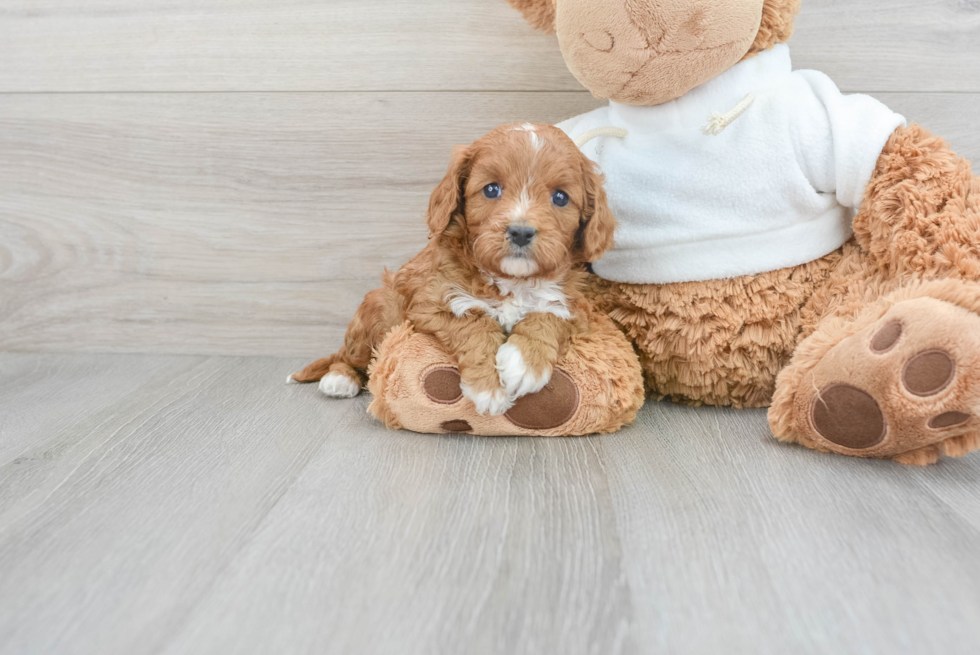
(780, 243)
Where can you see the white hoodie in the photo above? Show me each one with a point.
(778, 187)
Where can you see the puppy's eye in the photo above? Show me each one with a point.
(492, 190)
(560, 198)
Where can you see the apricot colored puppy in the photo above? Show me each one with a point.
(499, 285)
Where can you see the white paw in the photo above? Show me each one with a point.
(291, 380)
(338, 385)
(494, 403)
(514, 374)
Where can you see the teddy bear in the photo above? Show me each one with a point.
(780, 244)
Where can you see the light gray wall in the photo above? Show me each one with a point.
(186, 177)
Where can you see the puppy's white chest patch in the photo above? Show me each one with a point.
(520, 299)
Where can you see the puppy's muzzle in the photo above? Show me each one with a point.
(521, 236)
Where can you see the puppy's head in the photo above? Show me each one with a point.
(523, 201)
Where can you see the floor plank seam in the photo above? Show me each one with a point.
(246, 541)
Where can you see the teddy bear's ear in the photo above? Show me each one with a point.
(447, 199)
(777, 24)
(539, 13)
(597, 225)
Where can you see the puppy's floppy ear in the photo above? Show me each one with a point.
(539, 13)
(448, 198)
(597, 226)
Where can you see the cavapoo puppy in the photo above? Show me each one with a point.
(498, 285)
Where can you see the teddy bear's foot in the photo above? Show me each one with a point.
(596, 387)
(906, 386)
(549, 408)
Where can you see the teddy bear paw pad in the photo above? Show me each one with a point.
(550, 408)
(928, 373)
(456, 427)
(443, 386)
(909, 381)
(848, 417)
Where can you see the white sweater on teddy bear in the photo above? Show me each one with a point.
(777, 187)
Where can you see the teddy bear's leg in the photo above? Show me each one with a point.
(596, 387)
(720, 342)
(900, 380)
(887, 366)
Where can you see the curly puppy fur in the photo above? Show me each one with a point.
(499, 285)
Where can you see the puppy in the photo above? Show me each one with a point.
(499, 284)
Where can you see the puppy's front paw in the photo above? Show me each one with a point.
(516, 376)
(494, 402)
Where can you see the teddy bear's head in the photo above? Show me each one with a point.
(648, 52)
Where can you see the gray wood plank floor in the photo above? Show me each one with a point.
(182, 504)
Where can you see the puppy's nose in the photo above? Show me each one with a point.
(521, 235)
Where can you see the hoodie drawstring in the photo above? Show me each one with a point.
(718, 122)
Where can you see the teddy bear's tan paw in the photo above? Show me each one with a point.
(549, 408)
(905, 388)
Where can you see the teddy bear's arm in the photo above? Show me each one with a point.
(838, 138)
(916, 209)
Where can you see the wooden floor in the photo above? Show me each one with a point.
(174, 505)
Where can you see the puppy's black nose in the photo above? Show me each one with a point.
(521, 235)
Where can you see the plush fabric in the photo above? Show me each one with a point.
(539, 13)
(779, 187)
(776, 26)
(868, 351)
(720, 342)
(598, 390)
(645, 53)
(940, 320)
(724, 342)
